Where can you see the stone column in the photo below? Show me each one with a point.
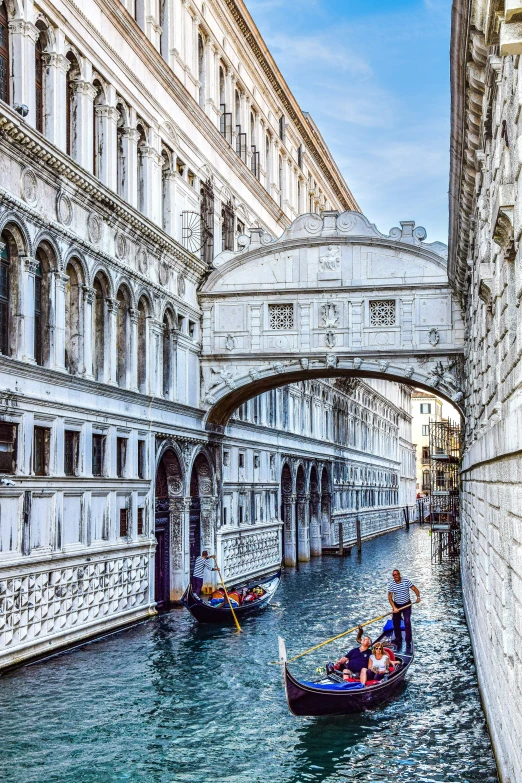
(54, 119)
(156, 358)
(179, 508)
(132, 372)
(110, 344)
(82, 132)
(315, 530)
(303, 507)
(107, 120)
(26, 344)
(289, 506)
(169, 202)
(326, 519)
(151, 185)
(60, 282)
(88, 299)
(129, 152)
(22, 38)
(208, 527)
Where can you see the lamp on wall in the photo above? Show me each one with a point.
(6, 482)
(22, 109)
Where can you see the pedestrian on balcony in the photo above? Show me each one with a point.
(200, 566)
(399, 598)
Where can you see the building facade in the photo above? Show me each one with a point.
(425, 409)
(485, 266)
(139, 141)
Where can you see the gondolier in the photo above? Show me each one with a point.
(200, 566)
(399, 598)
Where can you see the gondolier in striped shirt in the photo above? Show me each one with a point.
(200, 566)
(399, 598)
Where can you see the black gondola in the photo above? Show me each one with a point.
(330, 696)
(205, 613)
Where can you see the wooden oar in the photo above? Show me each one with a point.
(340, 635)
(226, 594)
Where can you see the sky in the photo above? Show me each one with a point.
(374, 75)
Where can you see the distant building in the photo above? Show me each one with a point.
(426, 408)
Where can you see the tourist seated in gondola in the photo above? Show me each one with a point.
(355, 663)
(379, 663)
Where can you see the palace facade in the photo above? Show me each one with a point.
(137, 142)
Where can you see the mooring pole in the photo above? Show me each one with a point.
(359, 539)
(341, 542)
(406, 512)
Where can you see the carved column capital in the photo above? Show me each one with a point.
(112, 305)
(30, 264)
(89, 294)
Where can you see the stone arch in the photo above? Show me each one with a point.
(168, 527)
(52, 249)
(202, 506)
(19, 235)
(288, 513)
(102, 301)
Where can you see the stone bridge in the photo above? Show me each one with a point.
(331, 297)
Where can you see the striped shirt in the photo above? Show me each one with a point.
(400, 590)
(200, 565)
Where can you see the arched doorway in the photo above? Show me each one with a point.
(287, 514)
(201, 504)
(302, 540)
(167, 528)
(315, 502)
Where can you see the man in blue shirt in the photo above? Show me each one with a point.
(399, 598)
(355, 662)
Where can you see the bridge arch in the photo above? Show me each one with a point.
(332, 297)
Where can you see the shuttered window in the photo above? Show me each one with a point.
(124, 522)
(41, 451)
(4, 54)
(7, 447)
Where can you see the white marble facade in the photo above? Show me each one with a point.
(117, 128)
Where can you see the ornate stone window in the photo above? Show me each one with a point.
(382, 312)
(281, 316)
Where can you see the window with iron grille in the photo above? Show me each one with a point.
(70, 453)
(4, 301)
(124, 522)
(8, 434)
(41, 451)
(382, 312)
(225, 123)
(121, 456)
(207, 221)
(140, 528)
(281, 316)
(227, 229)
(98, 449)
(141, 459)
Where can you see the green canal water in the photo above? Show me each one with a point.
(169, 701)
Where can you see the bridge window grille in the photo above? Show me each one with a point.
(382, 312)
(281, 316)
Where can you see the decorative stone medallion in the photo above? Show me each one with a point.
(94, 227)
(121, 245)
(29, 186)
(142, 260)
(164, 273)
(181, 286)
(64, 209)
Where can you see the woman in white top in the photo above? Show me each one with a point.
(379, 662)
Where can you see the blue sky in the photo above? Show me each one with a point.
(374, 74)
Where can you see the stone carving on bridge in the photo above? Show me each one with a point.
(330, 338)
(329, 315)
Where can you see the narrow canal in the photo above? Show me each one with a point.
(169, 701)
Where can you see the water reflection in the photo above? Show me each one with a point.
(170, 701)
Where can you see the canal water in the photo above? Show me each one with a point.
(169, 701)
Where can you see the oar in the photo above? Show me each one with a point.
(226, 594)
(340, 635)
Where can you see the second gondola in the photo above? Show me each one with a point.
(204, 612)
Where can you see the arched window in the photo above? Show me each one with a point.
(222, 95)
(122, 337)
(99, 319)
(97, 135)
(5, 270)
(4, 54)
(142, 143)
(142, 344)
(121, 150)
(166, 206)
(201, 71)
(168, 323)
(70, 101)
(72, 319)
(267, 162)
(38, 80)
(41, 306)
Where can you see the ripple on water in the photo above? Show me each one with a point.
(173, 702)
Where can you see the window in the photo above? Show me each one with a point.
(225, 515)
(38, 345)
(192, 329)
(425, 407)
(425, 453)
(121, 456)
(124, 522)
(282, 127)
(241, 515)
(207, 221)
(4, 54)
(227, 228)
(300, 156)
(4, 300)
(241, 460)
(425, 429)
(140, 527)
(382, 312)
(98, 454)
(38, 81)
(70, 453)
(191, 179)
(141, 459)
(7, 447)
(41, 451)
(180, 166)
(426, 479)
(281, 316)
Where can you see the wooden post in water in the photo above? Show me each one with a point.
(341, 542)
(359, 539)
(406, 512)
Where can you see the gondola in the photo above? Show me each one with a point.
(331, 696)
(205, 613)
